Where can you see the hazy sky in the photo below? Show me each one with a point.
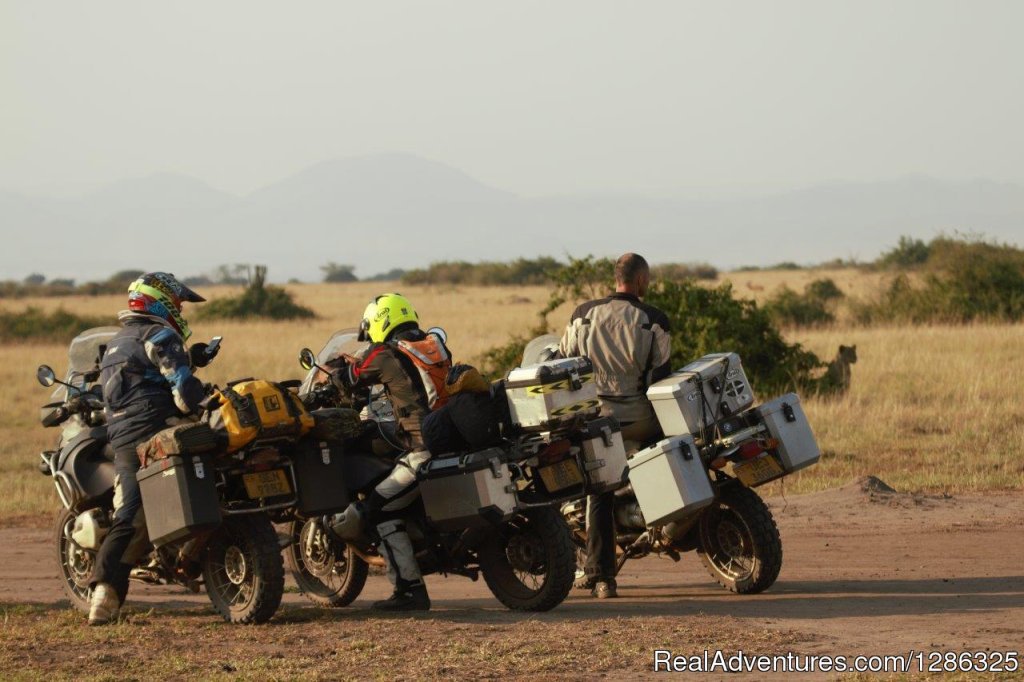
(533, 97)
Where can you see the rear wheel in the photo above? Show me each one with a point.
(242, 569)
(328, 572)
(739, 542)
(529, 562)
(74, 564)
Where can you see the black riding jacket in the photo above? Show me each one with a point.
(147, 379)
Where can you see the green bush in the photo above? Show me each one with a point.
(679, 271)
(964, 280)
(907, 253)
(335, 272)
(711, 320)
(519, 272)
(809, 309)
(258, 300)
(33, 324)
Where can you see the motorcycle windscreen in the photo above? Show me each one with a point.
(84, 354)
(538, 350)
(343, 341)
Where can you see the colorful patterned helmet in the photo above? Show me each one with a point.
(161, 294)
(384, 315)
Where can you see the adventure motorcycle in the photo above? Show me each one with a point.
(239, 555)
(734, 534)
(513, 536)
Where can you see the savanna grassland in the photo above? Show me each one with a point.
(932, 409)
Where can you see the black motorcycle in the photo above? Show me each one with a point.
(239, 558)
(520, 544)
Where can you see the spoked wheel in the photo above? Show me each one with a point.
(739, 542)
(328, 572)
(529, 563)
(74, 564)
(242, 569)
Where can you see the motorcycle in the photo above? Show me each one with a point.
(735, 536)
(525, 554)
(239, 559)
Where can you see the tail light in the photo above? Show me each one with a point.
(751, 450)
(554, 452)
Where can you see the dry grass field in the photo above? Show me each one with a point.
(932, 409)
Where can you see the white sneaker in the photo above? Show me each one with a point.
(104, 605)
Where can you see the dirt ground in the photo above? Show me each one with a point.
(865, 571)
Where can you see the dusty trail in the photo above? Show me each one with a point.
(864, 572)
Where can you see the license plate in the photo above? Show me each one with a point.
(267, 484)
(757, 471)
(561, 475)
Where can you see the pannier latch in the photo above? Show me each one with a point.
(496, 467)
(788, 413)
(606, 436)
(325, 453)
(574, 380)
(197, 464)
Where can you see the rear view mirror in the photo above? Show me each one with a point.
(440, 333)
(306, 359)
(46, 376)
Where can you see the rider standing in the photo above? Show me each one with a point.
(147, 381)
(629, 346)
(412, 366)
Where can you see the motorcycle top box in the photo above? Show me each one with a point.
(179, 496)
(670, 481)
(547, 395)
(788, 425)
(701, 393)
(468, 490)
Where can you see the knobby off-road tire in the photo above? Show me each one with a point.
(739, 542)
(242, 569)
(328, 572)
(74, 564)
(530, 561)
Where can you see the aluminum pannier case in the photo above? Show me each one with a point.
(467, 491)
(604, 456)
(703, 392)
(179, 496)
(788, 425)
(670, 481)
(548, 395)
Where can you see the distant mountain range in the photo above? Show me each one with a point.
(386, 211)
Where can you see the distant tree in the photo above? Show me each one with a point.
(335, 272)
(392, 275)
(197, 281)
(907, 253)
(239, 273)
(61, 283)
(35, 279)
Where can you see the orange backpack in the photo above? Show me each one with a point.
(433, 362)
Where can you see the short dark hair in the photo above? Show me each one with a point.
(630, 267)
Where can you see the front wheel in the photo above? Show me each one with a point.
(739, 542)
(242, 569)
(74, 563)
(328, 572)
(529, 563)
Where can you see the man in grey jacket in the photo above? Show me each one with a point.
(629, 345)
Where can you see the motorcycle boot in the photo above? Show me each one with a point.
(605, 588)
(104, 605)
(404, 573)
(406, 597)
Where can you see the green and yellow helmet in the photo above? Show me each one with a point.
(384, 315)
